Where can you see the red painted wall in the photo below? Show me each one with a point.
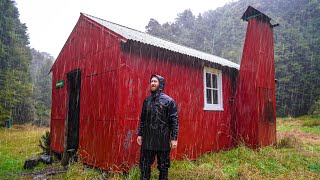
(200, 131)
(114, 83)
(255, 104)
(96, 52)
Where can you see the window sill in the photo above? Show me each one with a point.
(206, 108)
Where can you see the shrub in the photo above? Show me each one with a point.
(311, 122)
(44, 143)
(314, 110)
(288, 142)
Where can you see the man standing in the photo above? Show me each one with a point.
(158, 129)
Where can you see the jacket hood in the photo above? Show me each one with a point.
(161, 81)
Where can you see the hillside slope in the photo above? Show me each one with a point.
(297, 43)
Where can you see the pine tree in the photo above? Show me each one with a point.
(15, 57)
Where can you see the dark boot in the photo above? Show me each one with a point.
(163, 175)
(145, 174)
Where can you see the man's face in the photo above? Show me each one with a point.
(154, 85)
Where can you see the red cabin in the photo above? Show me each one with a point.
(101, 78)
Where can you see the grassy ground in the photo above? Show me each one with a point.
(305, 124)
(296, 156)
(16, 145)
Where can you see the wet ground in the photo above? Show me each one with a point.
(44, 174)
(301, 136)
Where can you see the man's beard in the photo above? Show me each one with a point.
(154, 89)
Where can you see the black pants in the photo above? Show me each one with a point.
(146, 160)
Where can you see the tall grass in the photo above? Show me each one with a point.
(306, 124)
(16, 145)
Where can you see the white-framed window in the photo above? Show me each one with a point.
(212, 80)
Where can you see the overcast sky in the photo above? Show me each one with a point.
(50, 22)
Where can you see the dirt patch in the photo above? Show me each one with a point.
(43, 174)
(306, 138)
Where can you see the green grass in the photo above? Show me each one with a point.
(16, 145)
(306, 124)
(314, 129)
(312, 148)
(314, 167)
(312, 122)
(291, 159)
(246, 163)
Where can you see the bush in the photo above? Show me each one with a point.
(288, 142)
(44, 143)
(314, 110)
(311, 122)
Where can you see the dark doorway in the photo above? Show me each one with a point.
(74, 84)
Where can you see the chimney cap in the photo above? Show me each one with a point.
(254, 13)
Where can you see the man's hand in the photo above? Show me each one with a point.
(174, 144)
(139, 140)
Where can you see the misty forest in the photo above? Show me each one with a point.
(26, 81)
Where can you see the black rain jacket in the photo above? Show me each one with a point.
(158, 120)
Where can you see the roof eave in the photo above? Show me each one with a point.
(234, 66)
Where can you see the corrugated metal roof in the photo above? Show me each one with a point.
(135, 35)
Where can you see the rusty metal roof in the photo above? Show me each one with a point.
(135, 35)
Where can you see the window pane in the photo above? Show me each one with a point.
(208, 80)
(214, 80)
(215, 96)
(209, 96)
